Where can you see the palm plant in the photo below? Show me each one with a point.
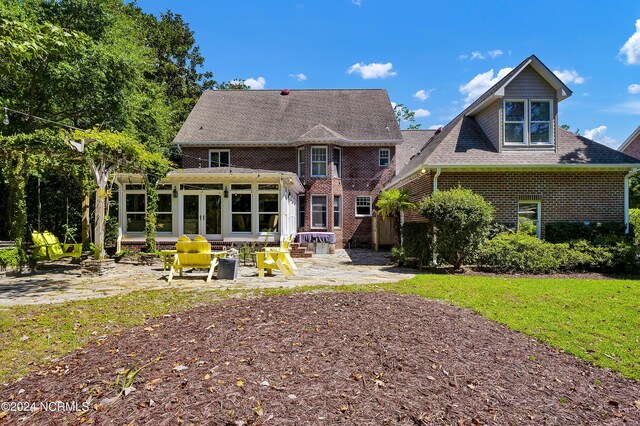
(391, 203)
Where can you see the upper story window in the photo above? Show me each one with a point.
(219, 158)
(318, 161)
(337, 162)
(384, 157)
(528, 122)
(363, 205)
(302, 162)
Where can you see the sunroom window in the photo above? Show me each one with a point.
(528, 122)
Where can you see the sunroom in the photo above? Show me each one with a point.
(223, 204)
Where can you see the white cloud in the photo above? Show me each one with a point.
(436, 126)
(357, 2)
(569, 76)
(373, 70)
(476, 55)
(422, 94)
(598, 134)
(632, 108)
(420, 112)
(255, 83)
(634, 89)
(481, 83)
(298, 76)
(631, 49)
(495, 53)
(463, 56)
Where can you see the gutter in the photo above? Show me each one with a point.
(435, 179)
(626, 198)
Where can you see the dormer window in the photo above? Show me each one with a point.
(528, 122)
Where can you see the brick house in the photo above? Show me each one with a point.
(508, 147)
(631, 146)
(263, 161)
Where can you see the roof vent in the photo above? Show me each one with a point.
(438, 131)
(284, 92)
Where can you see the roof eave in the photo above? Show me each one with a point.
(630, 139)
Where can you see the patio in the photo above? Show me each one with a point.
(61, 281)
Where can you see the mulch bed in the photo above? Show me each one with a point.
(329, 358)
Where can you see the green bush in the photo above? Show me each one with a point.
(460, 219)
(519, 252)
(10, 257)
(634, 221)
(563, 232)
(416, 243)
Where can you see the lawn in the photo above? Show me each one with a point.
(597, 320)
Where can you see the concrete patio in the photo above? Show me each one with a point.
(62, 281)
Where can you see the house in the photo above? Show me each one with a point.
(631, 146)
(508, 147)
(266, 163)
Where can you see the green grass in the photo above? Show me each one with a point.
(597, 320)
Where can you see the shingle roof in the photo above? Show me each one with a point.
(223, 170)
(414, 140)
(269, 116)
(462, 142)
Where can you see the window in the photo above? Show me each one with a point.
(529, 217)
(219, 158)
(135, 210)
(302, 207)
(241, 216)
(319, 161)
(164, 216)
(318, 211)
(337, 208)
(527, 122)
(363, 205)
(337, 162)
(384, 157)
(302, 162)
(268, 208)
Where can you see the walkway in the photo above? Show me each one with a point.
(62, 281)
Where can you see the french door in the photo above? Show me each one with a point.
(202, 214)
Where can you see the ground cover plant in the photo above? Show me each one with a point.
(329, 357)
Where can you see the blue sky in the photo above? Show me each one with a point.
(434, 57)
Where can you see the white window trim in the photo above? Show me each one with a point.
(311, 162)
(326, 204)
(219, 150)
(302, 170)
(380, 151)
(356, 205)
(527, 124)
(539, 218)
(258, 212)
(127, 212)
(170, 193)
(551, 141)
(249, 191)
(339, 211)
(333, 160)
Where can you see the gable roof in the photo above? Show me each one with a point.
(462, 141)
(632, 137)
(270, 117)
(413, 141)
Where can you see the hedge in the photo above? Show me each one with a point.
(417, 242)
(564, 232)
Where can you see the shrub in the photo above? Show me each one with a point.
(460, 219)
(634, 221)
(416, 242)
(520, 252)
(11, 257)
(563, 232)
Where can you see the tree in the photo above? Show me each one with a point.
(460, 220)
(391, 203)
(405, 115)
(109, 152)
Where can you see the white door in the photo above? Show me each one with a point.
(202, 214)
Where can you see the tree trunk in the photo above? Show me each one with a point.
(100, 224)
(86, 220)
(17, 199)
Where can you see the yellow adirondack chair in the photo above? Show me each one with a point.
(46, 246)
(194, 255)
(277, 257)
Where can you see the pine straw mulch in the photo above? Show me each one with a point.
(329, 358)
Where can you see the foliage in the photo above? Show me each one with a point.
(11, 257)
(522, 253)
(634, 191)
(417, 242)
(561, 232)
(634, 221)
(393, 201)
(527, 226)
(460, 219)
(405, 115)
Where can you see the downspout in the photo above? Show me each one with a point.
(626, 199)
(435, 179)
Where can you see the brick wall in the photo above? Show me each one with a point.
(361, 175)
(564, 196)
(633, 149)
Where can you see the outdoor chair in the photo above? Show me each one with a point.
(277, 257)
(46, 246)
(285, 249)
(194, 255)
